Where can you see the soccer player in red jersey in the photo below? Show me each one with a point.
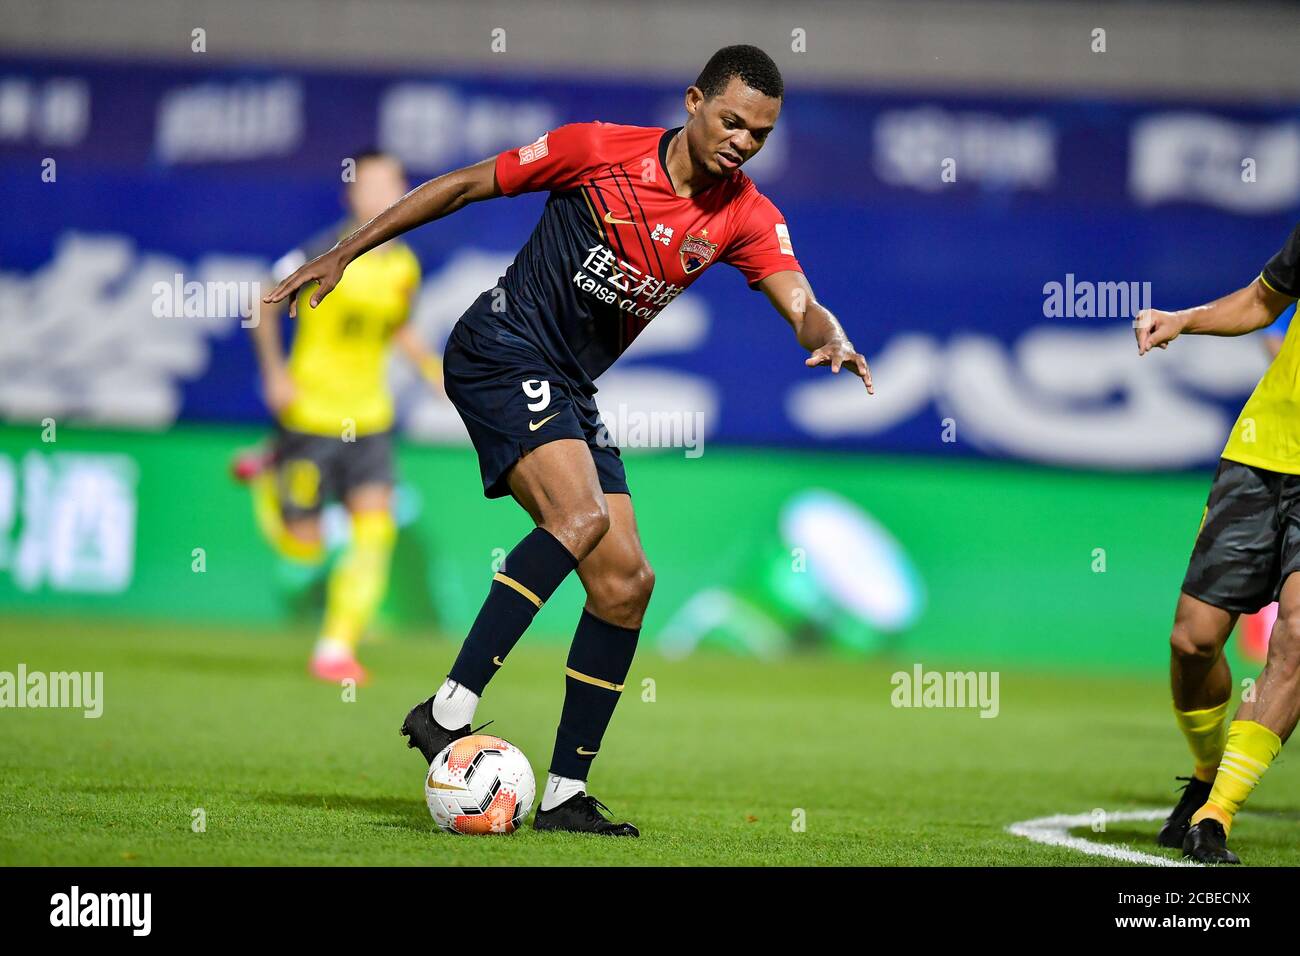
(635, 215)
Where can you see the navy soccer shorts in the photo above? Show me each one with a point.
(513, 400)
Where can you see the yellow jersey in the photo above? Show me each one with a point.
(339, 358)
(1267, 433)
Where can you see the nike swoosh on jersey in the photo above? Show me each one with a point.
(609, 218)
(497, 660)
(586, 753)
(533, 426)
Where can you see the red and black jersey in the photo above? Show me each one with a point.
(616, 243)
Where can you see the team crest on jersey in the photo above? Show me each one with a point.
(696, 252)
(534, 151)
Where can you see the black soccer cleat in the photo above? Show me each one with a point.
(426, 734)
(581, 813)
(1207, 843)
(1195, 793)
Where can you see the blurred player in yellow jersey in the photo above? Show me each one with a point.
(334, 416)
(1247, 555)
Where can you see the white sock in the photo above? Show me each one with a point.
(454, 705)
(559, 789)
(332, 649)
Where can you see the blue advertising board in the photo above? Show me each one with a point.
(986, 252)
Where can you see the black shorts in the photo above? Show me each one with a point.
(513, 400)
(313, 469)
(1249, 540)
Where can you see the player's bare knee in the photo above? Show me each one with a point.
(622, 595)
(635, 588)
(1193, 644)
(304, 530)
(644, 584)
(581, 529)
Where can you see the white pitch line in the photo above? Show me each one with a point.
(1054, 831)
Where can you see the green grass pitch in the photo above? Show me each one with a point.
(713, 770)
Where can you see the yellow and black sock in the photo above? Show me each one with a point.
(599, 659)
(1205, 733)
(531, 573)
(1250, 749)
(359, 579)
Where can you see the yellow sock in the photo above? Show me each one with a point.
(1250, 749)
(1204, 730)
(270, 521)
(359, 580)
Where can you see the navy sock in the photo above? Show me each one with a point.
(599, 659)
(530, 575)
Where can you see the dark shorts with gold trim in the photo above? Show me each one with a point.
(513, 400)
(1249, 539)
(314, 469)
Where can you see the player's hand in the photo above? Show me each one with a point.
(279, 391)
(1155, 328)
(326, 269)
(840, 353)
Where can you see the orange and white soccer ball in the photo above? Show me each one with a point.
(480, 784)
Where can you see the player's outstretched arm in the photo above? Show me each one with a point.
(814, 326)
(268, 344)
(1254, 307)
(422, 357)
(429, 201)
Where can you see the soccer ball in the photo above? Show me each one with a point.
(480, 784)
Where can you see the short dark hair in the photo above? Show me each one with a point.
(755, 68)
